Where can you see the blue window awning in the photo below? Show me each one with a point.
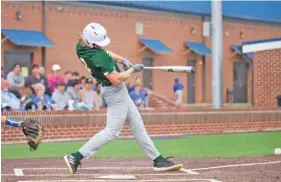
(198, 48)
(27, 38)
(238, 49)
(155, 45)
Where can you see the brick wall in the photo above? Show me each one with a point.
(83, 125)
(267, 77)
(64, 27)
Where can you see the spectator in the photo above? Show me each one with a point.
(74, 91)
(26, 99)
(15, 78)
(36, 77)
(138, 96)
(83, 82)
(178, 90)
(60, 96)
(42, 100)
(132, 88)
(68, 76)
(55, 77)
(42, 71)
(8, 100)
(88, 96)
(2, 73)
(74, 76)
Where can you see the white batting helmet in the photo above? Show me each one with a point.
(95, 33)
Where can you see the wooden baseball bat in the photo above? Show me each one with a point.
(179, 69)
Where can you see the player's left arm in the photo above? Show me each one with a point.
(116, 57)
(32, 129)
(10, 122)
(121, 60)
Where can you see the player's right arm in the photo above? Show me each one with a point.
(107, 67)
(116, 78)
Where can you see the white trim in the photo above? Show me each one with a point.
(262, 46)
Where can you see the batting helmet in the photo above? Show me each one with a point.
(95, 33)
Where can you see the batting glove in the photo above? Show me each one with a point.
(127, 64)
(138, 67)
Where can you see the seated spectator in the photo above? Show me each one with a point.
(60, 97)
(138, 96)
(26, 99)
(178, 90)
(15, 78)
(55, 77)
(36, 77)
(42, 70)
(83, 81)
(74, 76)
(88, 96)
(2, 73)
(67, 75)
(42, 100)
(8, 100)
(74, 91)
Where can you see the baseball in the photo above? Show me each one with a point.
(277, 151)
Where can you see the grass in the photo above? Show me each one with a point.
(226, 145)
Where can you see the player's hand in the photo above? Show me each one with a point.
(34, 132)
(138, 67)
(127, 64)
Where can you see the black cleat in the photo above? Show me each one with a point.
(71, 163)
(166, 165)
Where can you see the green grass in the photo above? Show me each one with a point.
(227, 145)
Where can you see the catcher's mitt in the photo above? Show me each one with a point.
(34, 132)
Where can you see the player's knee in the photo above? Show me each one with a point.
(114, 132)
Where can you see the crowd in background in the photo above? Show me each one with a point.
(57, 91)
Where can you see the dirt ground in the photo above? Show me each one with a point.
(250, 169)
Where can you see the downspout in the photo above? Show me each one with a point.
(44, 30)
(252, 69)
(204, 40)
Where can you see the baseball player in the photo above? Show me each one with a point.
(31, 128)
(103, 66)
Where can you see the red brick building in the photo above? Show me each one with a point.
(64, 22)
(267, 74)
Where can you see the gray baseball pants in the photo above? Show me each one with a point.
(120, 108)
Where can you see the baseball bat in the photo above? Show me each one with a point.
(179, 69)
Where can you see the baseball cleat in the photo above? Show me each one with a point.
(166, 165)
(71, 163)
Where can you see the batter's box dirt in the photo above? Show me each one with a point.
(97, 170)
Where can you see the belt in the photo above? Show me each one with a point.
(106, 84)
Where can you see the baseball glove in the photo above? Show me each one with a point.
(34, 132)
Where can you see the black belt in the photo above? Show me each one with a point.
(106, 84)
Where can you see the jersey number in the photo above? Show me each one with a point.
(85, 65)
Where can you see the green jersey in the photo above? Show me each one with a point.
(97, 61)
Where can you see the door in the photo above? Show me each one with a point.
(240, 81)
(191, 83)
(147, 74)
(23, 58)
